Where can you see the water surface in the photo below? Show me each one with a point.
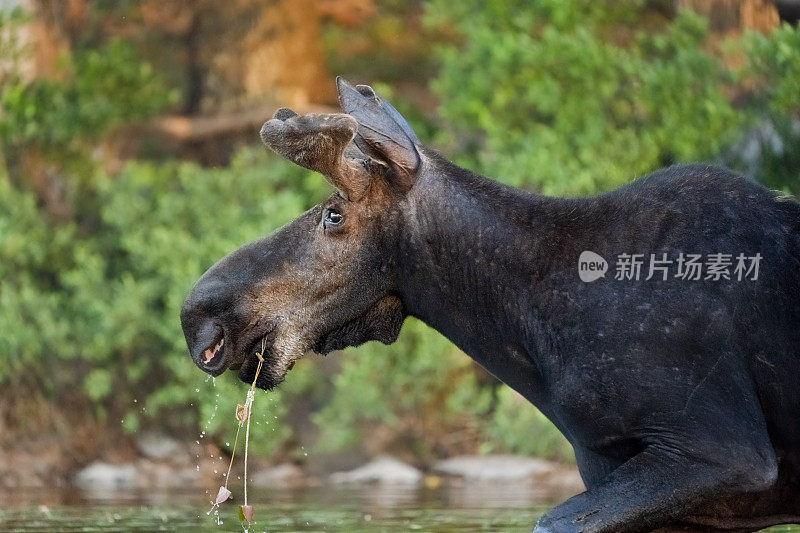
(459, 507)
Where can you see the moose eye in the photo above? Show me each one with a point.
(333, 217)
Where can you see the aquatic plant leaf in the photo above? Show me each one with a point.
(222, 495)
(246, 513)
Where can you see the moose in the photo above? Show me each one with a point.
(680, 395)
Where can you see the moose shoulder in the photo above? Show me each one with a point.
(677, 388)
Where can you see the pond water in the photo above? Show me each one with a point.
(327, 508)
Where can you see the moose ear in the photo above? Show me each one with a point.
(383, 133)
(318, 142)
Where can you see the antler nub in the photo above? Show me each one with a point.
(318, 142)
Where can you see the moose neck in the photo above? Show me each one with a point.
(477, 265)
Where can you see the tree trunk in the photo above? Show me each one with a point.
(735, 16)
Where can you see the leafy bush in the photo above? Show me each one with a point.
(162, 226)
(771, 151)
(576, 97)
(55, 121)
(515, 426)
(89, 305)
(101, 89)
(774, 68)
(570, 104)
(32, 325)
(109, 312)
(408, 385)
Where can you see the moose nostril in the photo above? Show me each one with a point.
(208, 343)
(210, 353)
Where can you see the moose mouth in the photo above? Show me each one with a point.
(274, 369)
(280, 344)
(223, 351)
(221, 354)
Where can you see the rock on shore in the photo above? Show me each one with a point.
(384, 470)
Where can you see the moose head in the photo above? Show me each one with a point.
(326, 280)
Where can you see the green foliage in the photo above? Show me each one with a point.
(772, 74)
(373, 47)
(774, 67)
(98, 90)
(11, 48)
(50, 126)
(89, 307)
(407, 383)
(109, 309)
(31, 256)
(516, 427)
(556, 103)
(162, 225)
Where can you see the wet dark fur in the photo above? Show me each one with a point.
(682, 390)
(681, 398)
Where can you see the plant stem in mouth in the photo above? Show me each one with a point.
(233, 454)
(249, 410)
(249, 401)
(243, 413)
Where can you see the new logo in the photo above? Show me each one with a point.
(591, 266)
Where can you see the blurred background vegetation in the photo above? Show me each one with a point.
(130, 162)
